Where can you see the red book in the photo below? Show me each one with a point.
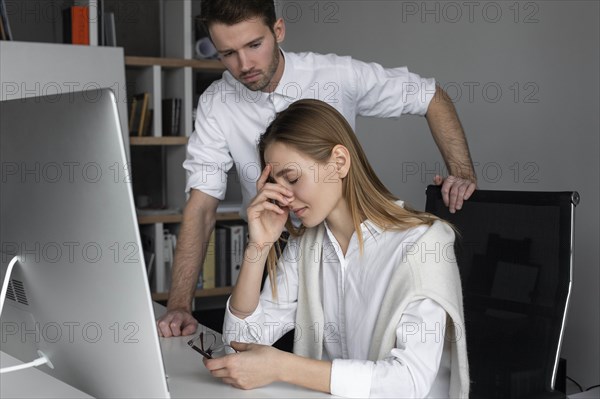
(80, 25)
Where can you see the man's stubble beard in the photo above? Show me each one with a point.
(266, 81)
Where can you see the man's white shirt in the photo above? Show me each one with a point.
(230, 118)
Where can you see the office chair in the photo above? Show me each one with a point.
(514, 253)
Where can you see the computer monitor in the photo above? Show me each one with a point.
(79, 292)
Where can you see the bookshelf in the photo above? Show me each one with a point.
(160, 64)
(208, 292)
(42, 21)
(171, 76)
(159, 140)
(178, 218)
(202, 65)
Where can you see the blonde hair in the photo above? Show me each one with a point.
(314, 128)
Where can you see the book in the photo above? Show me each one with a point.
(80, 25)
(171, 110)
(208, 278)
(133, 116)
(137, 114)
(176, 117)
(147, 128)
(100, 22)
(143, 99)
(5, 31)
(76, 25)
(2, 34)
(66, 25)
(110, 32)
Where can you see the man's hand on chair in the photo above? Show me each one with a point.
(455, 190)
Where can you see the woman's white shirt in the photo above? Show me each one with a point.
(352, 290)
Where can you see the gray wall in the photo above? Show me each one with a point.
(525, 82)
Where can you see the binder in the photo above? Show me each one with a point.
(231, 250)
(171, 111)
(110, 32)
(163, 280)
(221, 259)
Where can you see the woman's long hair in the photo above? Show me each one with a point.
(314, 128)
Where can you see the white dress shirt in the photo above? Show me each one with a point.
(352, 289)
(230, 118)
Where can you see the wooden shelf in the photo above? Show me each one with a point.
(164, 140)
(221, 216)
(219, 291)
(151, 219)
(205, 65)
(178, 218)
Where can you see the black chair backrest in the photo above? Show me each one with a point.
(514, 252)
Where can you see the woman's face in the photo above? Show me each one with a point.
(317, 187)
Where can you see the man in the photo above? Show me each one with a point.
(262, 80)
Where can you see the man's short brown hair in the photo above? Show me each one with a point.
(231, 12)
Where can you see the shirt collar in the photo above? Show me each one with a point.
(368, 229)
(284, 88)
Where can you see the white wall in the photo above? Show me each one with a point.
(541, 132)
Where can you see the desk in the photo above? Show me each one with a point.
(186, 376)
(33, 383)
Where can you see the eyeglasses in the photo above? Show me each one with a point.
(208, 347)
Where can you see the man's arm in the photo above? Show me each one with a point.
(199, 218)
(450, 138)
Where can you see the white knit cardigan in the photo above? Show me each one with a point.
(428, 270)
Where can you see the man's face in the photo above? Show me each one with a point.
(250, 51)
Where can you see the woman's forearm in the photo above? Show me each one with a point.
(305, 372)
(246, 292)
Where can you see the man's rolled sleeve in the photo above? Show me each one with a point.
(208, 159)
(391, 92)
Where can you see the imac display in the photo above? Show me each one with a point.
(79, 291)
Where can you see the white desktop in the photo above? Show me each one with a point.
(186, 376)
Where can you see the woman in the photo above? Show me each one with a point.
(370, 286)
